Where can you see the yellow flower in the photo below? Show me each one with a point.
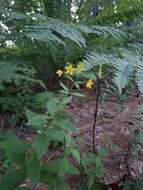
(59, 73)
(80, 68)
(89, 83)
(69, 69)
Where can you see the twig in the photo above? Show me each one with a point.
(95, 114)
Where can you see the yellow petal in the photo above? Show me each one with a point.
(80, 68)
(59, 73)
(89, 83)
(69, 69)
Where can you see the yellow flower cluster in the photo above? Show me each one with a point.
(69, 70)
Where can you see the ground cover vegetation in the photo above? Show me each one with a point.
(53, 54)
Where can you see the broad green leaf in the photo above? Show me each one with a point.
(73, 170)
(52, 106)
(100, 170)
(41, 145)
(68, 140)
(59, 184)
(38, 121)
(64, 166)
(65, 124)
(33, 169)
(13, 179)
(14, 149)
(76, 154)
(60, 166)
(42, 98)
(67, 100)
(30, 114)
(56, 135)
(90, 182)
(103, 152)
(87, 159)
(46, 177)
(52, 167)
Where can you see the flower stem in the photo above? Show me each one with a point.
(96, 113)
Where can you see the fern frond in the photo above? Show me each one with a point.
(54, 30)
(139, 76)
(103, 30)
(11, 72)
(95, 59)
(124, 72)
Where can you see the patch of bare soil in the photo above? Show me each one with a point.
(114, 129)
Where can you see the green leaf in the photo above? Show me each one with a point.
(78, 94)
(56, 135)
(139, 136)
(90, 182)
(103, 152)
(52, 106)
(33, 169)
(68, 140)
(65, 124)
(100, 171)
(14, 149)
(64, 87)
(42, 98)
(41, 145)
(13, 179)
(59, 184)
(67, 100)
(64, 165)
(76, 154)
(38, 121)
(51, 167)
(73, 171)
(46, 177)
(30, 114)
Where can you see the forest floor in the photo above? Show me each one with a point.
(116, 123)
(115, 126)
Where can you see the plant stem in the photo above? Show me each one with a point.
(96, 113)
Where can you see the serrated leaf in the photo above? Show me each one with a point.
(42, 98)
(38, 121)
(90, 182)
(73, 170)
(33, 169)
(41, 145)
(65, 124)
(100, 170)
(52, 107)
(14, 149)
(67, 100)
(76, 154)
(68, 140)
(59, 184)
(56, 135)
(13, 179)
(30, 114)
(103, 152)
